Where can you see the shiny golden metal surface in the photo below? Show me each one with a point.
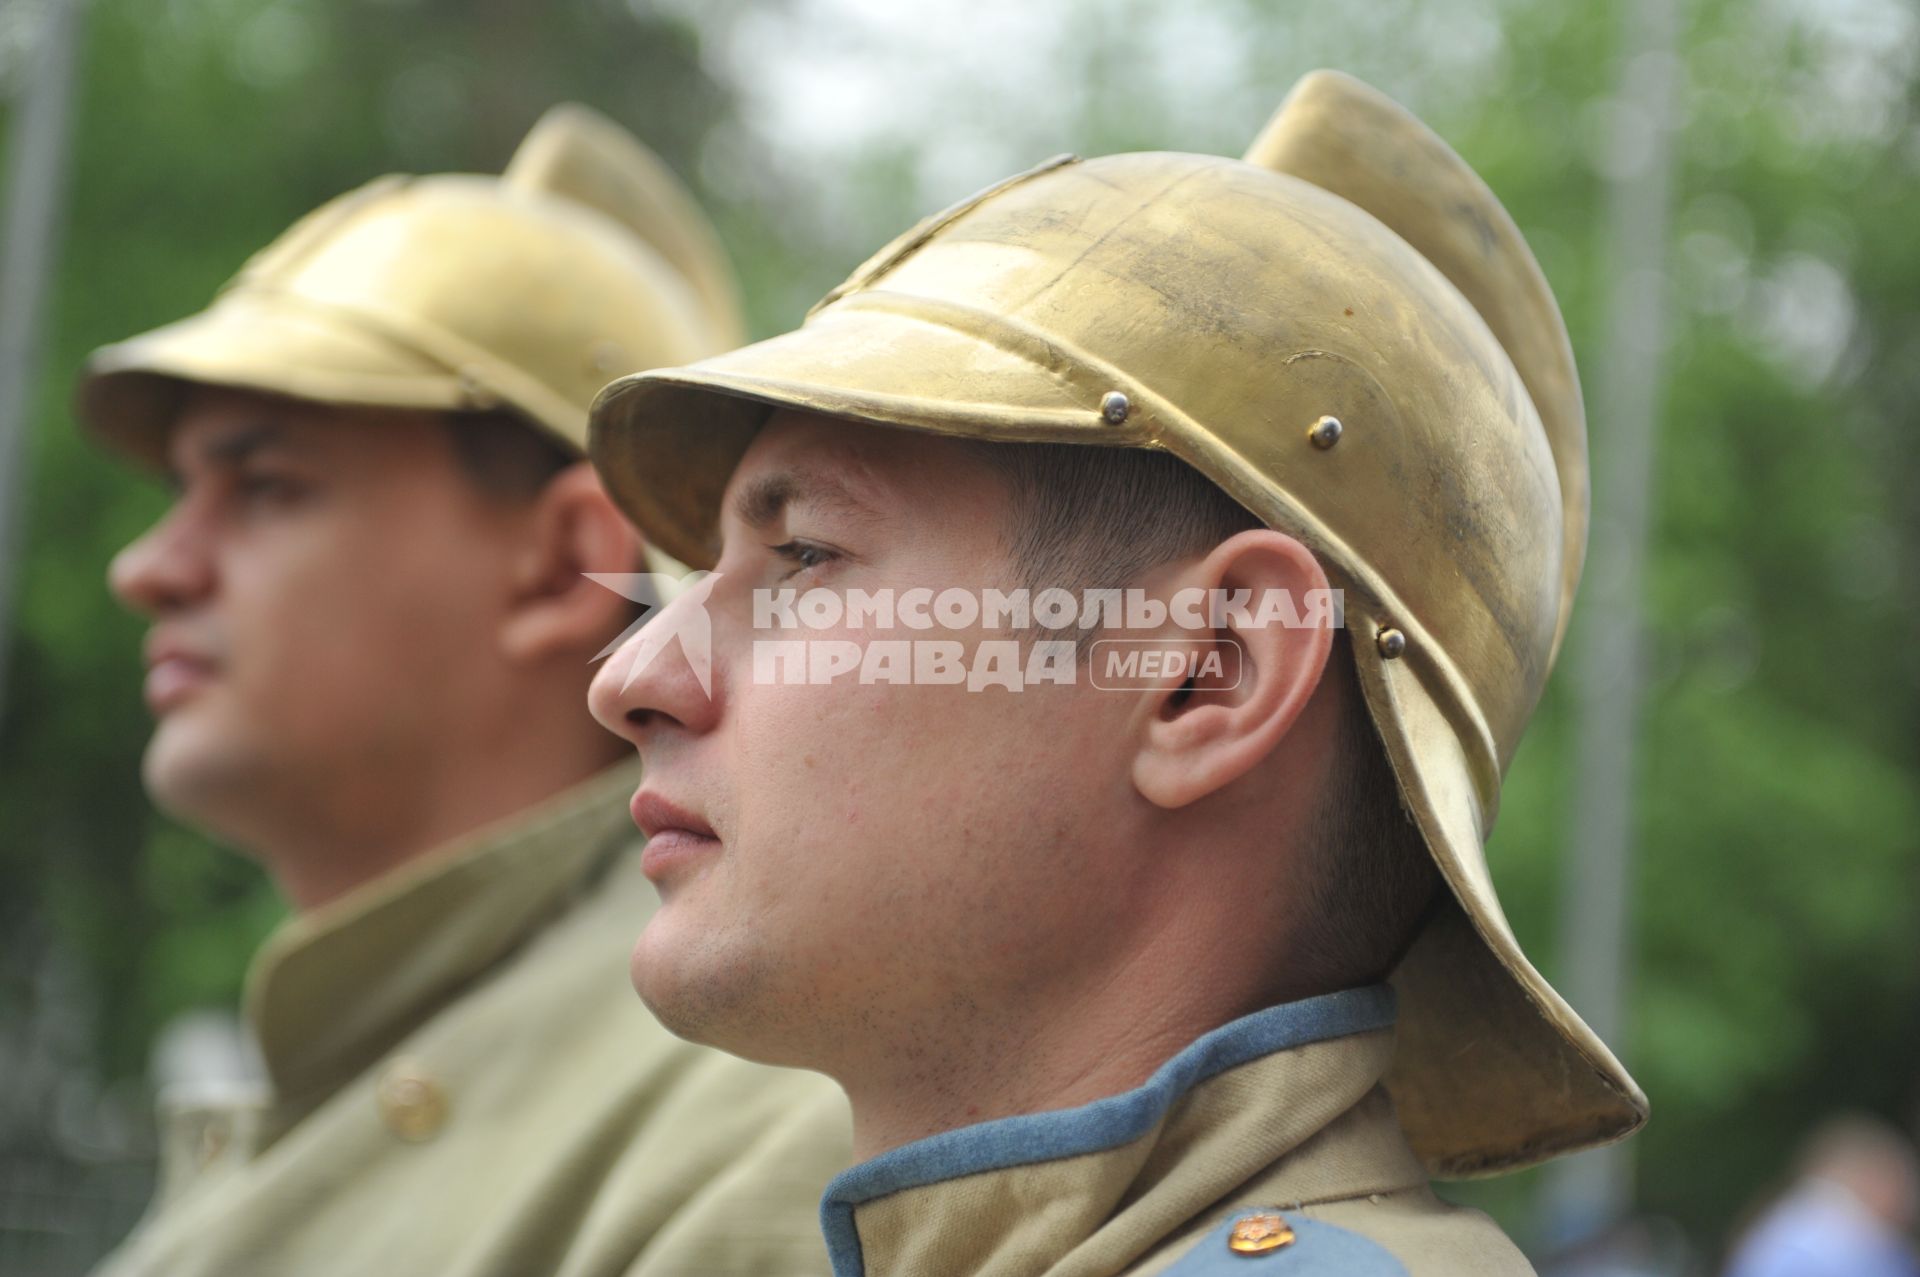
(1259, 1234)
(1352, 267)
(586, 259)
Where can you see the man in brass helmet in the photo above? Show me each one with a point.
(1128, 965)
(370, 639)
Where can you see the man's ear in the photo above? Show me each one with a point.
(572, 529)
(1201, 735)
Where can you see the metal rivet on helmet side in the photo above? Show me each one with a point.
(1391, 643)
(1325, 432)
(474, 391)
(606, 357)
(1114, 407)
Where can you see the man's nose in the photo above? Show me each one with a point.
(665, 675)
(164, 569)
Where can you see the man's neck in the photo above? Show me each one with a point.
(371, 824)
(1053, 1052)
(945, 1098)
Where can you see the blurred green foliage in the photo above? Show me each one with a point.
(1777, 899)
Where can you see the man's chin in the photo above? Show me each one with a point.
(195, 776)
(701, 990)
(656, 978)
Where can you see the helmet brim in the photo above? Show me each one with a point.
(129, 393)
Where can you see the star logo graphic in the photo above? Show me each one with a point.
(684, 620)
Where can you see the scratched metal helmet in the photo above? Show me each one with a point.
(1351, 267)
(586, 259)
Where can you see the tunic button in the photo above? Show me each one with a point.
(1258, 1233)
(412, 1102)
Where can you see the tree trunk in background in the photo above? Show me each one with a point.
(36, 178)
(1590, 1193)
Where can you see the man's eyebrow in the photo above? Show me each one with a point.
(237, 445)
(232, 447)
(762, 501)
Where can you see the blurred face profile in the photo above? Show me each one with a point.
(844, 859)
(318, 593)
(1874, 1162)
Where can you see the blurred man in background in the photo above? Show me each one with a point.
(1850, 1214)
(371, 634)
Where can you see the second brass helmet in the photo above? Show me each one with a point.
(1351, 267)
(585, 260)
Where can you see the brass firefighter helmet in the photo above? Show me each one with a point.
(1351, 267)
(585, 260)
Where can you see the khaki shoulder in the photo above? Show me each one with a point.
(1432, 1238)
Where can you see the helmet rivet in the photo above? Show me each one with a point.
(1325, 432)
(605, 357)
(474, 390)
(1114, 407)
(1391, 643)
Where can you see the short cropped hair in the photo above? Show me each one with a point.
(506, 455)
(1087, 517)
(512, 460)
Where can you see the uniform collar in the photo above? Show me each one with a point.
(334, 988)
(1209, 1120)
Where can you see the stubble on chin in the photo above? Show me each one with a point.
(726, 995)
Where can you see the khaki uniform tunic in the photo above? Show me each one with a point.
(463, 1084)
(1278, 1113)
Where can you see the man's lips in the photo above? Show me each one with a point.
(656, 815)
(174, 673)
(674, 834)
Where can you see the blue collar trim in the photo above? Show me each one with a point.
(1103, 1124)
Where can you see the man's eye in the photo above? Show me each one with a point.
(269, 488)
(804, 555)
